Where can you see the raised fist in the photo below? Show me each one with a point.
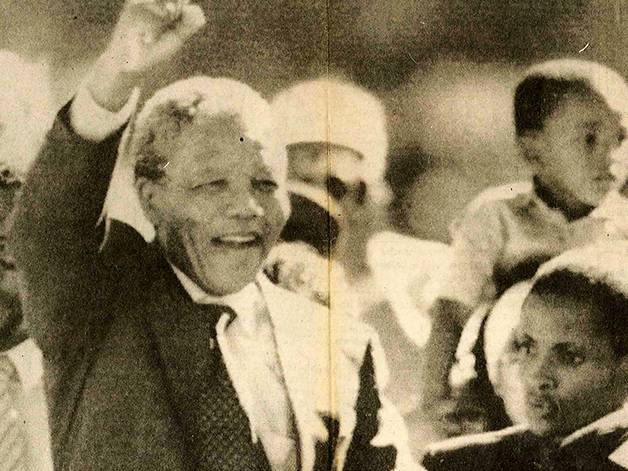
(149, 32)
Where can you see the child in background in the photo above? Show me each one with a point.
(568, 120)
(571, 347)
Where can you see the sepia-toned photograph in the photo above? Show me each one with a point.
(358, 235)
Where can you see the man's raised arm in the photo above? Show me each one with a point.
(55, 238)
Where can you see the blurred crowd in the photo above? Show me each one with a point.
(504, 347)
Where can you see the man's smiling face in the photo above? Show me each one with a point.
(216, 210)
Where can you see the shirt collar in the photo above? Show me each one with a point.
(545, 195)
(248, 303)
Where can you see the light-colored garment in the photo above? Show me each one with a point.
(31, 404)
(614, 208)
(501, 233)
(407, 271)
(329, 349)
(249, 350)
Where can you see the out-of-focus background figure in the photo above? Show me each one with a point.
(26, 113)
(336, 142)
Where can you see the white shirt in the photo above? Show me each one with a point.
(507, 228)
(31, 403)
(248, 346)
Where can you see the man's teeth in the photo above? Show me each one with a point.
(238, 239)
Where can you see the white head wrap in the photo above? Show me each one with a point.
(340, 113)
(604, 262)
(199, 95)
(603, 80)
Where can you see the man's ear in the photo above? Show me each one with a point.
(146, 190)
(623, 367)
(624, 189)
(621, 376)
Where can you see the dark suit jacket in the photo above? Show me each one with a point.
(126, 353)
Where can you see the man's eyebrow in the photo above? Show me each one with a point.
(203, 174)
(519, 336)
(565, 346)
(590, 124)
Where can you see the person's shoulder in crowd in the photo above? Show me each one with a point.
(493, 201)
(486, 451)
(514, 192)
(516, 448)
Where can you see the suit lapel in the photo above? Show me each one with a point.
(212, 420)
(299, 349)
(184, 349)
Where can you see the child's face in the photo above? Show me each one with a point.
(572, 154)
(569, 372)
(216, 212)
